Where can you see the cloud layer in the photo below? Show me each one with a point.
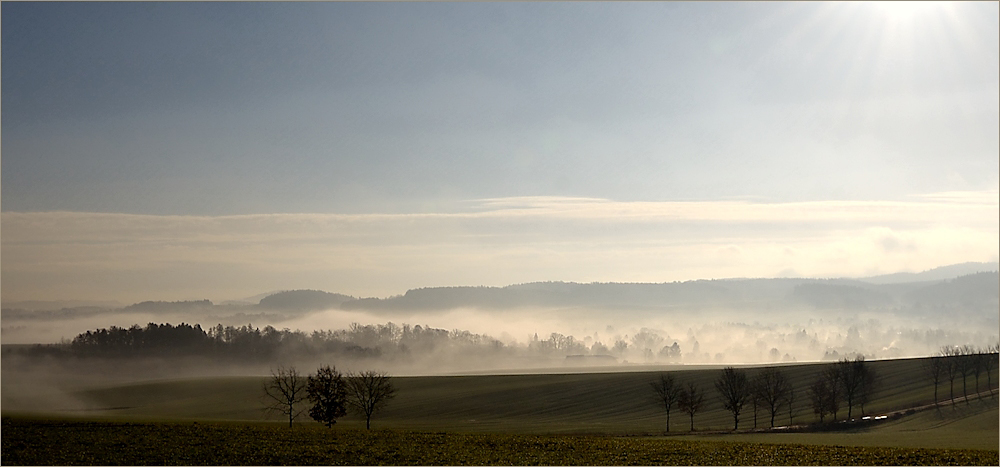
(64, 255)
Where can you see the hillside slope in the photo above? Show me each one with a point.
(616, 402)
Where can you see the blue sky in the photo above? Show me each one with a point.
(155, 111)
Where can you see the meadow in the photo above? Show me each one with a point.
(610, 402)
(597, 418)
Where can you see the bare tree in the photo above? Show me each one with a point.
(328, 393)
(964, 363)
(870, 384)
(284, 391)
(832, 376)
(991, 361)
(368, 392)
(819, 395)
(851, 377)
(772, 390)
(666, 393)
(978, 363)
(934, 368)
(734, 391)
(790, 400)
(690, 401)
(951, 368)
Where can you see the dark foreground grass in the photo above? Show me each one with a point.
(71, 442)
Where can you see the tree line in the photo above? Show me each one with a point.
(767, 390)
(253, 343)
(847, 384)
(374, 340)
(960, 362)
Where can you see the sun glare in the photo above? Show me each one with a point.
(903, 11)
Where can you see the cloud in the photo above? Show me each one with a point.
(63, 255)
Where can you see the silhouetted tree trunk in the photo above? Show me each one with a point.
(284, 391)
(832, 376)
(851, 377)
(950, 361)
(734, 391)
(791, 400)
(870, 383)
(965, 365)
(819, 395)
(978, 369)
(934, 367)
(690, 400)
(772, 390)
(666, 393)
(991, 361)
(368, 392)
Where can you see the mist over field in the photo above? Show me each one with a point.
(536, 327)
(220, 189)
(540, 324)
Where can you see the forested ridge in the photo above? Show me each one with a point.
(254, 343)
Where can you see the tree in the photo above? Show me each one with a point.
(980, 363)
(951, 368)
(990, 360)
(755, 399)
(690, 401)
(284, 391)
(734, 391)
(368, 392)
(964, 364)
(328, 393)
(832, 376)
(850, 376)
(819, 396)
(773, 389)
(934, 368)
(666, 393)
(870, 384)
(790, 400)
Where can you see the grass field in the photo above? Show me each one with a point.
(569, 413)
(608, 403)
(964, 427)
(51, 442)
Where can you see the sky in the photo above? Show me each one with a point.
(171, 151)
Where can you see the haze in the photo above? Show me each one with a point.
(181, 151)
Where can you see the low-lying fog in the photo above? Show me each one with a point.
(527, 327)
(703, 336)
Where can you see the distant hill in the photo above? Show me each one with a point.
(839, 296)
(953, 289)
(155, 307)
(254, 300)
(49, 305)
(969, 294)
(304, 300)
(555, 294)
(980, 290)
(936, 274)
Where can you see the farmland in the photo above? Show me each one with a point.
(547, 418)
(30, 442)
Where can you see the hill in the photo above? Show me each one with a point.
(611, 402)
(304, 300)
(937, 274)
(972, 295)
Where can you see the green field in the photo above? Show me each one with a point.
(606, 403)
(573, 411)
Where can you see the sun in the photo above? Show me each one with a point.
(905, 11)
